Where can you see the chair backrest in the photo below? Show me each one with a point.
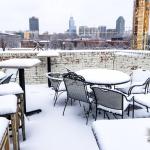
(14, 72)
(55, 79)
(68, 70)
(147, 85)
(140, 75)
(76, 87)
(108, 98)
(6, 79)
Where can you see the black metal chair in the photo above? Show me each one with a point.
(142, 100)
(139, 89)
(6, 79)
(139, 82)
(76, 88)
(57, 84)
(68, 70)
(112, 101)
(13, 71)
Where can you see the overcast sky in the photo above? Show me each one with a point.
(54, 14)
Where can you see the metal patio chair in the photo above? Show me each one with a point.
(68, 70)
(142, 100)
(57, 84)
(111, 101)
(140, 80)
(13, 71)
(6, 79)
(76, 88)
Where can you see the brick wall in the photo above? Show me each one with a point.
(76, 60)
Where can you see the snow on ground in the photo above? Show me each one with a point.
(50, 130)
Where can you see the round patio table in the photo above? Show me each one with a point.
(104, 76)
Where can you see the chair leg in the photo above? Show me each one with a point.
(65, 106)
(107, 115)
(133, 109)
(122, 115)
(15, 133)
(104, 114)
(88, 113)
(147, 109)
(96, 113)
(128, 110)
(71, 102)
(55, 98)
(80, 103)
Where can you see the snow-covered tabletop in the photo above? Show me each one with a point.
(19, 63)
(3, 125)
(122, 134)
(8, 104)
(104, 76)
(49, 53)
(2, 74)
(10, 88)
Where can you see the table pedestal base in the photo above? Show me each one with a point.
(33, 112)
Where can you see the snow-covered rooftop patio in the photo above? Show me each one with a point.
(51, 130)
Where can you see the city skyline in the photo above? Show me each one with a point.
(53, 15)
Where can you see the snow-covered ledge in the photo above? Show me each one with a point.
(124, 60)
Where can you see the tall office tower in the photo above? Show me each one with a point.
(102, 32)
(34, 24)
(120, 26)
(111, 33)
(72, 27)
(84, 31)
(93, 32)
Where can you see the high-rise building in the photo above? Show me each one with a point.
(120, 26)
(33, 24)
(93, 32)
(72, 27)
(111, 33)
(102, 32)
(84, 31)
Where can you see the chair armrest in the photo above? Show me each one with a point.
(58, 79)
(56, 76)
(146, 83)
